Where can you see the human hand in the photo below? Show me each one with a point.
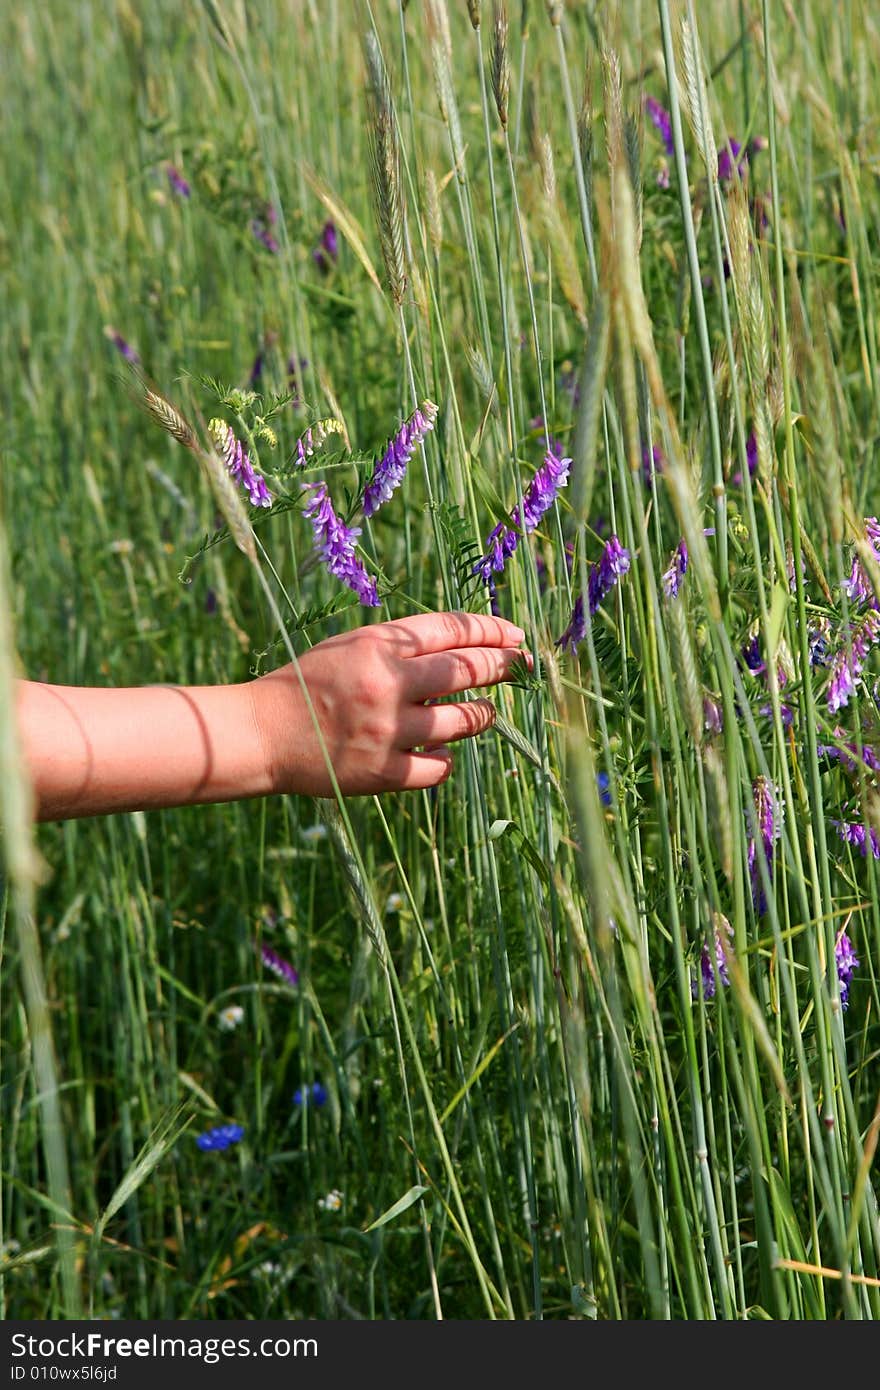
(369, 690)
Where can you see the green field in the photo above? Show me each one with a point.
(577, 1034)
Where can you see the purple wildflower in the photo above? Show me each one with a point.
(537, 500)
(847, 963)
(854, 833)
(847, 755)
(279, 966)
(261, 232)
(817, 636)
(390, 470)
(751, 458)
(846, 667)
(751, 653)
(614, 563)
(178, 183)
(652, 462)
(121, 346)
(728, 159)
(256, 371)
(713, 971)
(238, 463)
(220, 1137)
(336, 545)
(786, 714)
(661, 119)
(768, 811)
(733, 155)
(713, 717)
(577, 628)
(858, 588)
(672, 578)
(316, 1095)
(326, 252)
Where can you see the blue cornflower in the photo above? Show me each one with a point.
(336, 544)
(602, 781)
(316, 1095)
(390, 470)
(220, 1137)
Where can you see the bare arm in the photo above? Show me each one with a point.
(91, 750)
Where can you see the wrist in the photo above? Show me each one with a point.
(275, 703)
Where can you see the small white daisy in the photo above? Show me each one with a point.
(230, 1017)
(313, 833)
(332, 1202)
(395, 902)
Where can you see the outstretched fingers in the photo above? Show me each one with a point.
(437, 632)
(428, 726)
(421, 770)
(451, 672)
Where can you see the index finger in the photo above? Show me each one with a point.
(437, 632)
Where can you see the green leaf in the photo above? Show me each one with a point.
(403, 1204)
(504, 827)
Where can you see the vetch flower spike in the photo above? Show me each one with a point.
(769, 813)
(313, 438)
(672, 578)
(121, 346)
(661, 119)
(539, 497)
(615, 563)
(855, 833)
(336, 545)
(390, 470)
(178, 183)
(848, 662)
(847, 962)
(713, 972)
(279, 966)
(238, 463)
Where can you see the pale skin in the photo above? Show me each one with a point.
(91, 750)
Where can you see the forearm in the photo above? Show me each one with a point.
(91, 750)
